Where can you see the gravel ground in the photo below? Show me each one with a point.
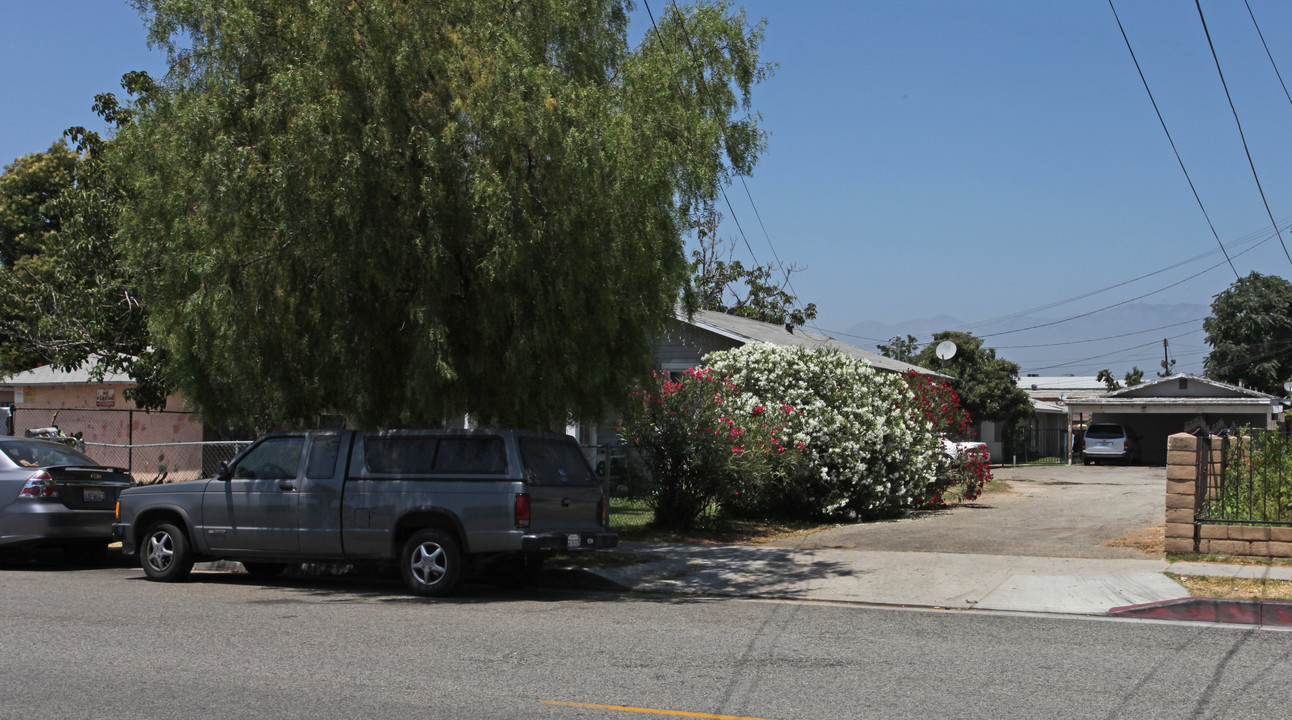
(1049, 511)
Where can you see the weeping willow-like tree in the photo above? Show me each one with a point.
(400, 211)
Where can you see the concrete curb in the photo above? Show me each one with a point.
(1271, 613)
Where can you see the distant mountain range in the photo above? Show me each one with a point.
(1117, 339)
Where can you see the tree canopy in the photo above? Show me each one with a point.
(404, 211)
(724, 285)
(28, 224)
(69, 298)
(901, 348)
(1250, 333)
(987, 385)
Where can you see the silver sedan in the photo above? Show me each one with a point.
(53, 494)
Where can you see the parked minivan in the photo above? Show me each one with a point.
(1110, 441)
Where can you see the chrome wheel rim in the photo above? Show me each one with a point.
(428, 563)
(159, 551)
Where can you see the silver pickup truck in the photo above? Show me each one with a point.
(432, 501)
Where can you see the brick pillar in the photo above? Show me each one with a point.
(1181, 479)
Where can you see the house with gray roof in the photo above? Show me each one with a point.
(687, 340)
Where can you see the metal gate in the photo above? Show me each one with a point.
(1244, 477)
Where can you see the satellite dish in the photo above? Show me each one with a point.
(946, 350)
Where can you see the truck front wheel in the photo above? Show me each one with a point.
(165, 554)
(431, 563)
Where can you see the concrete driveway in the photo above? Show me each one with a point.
(1050, 511)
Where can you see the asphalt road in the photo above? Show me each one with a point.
(1050, 511)
(106, 643)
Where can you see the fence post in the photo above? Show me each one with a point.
(1202, 479)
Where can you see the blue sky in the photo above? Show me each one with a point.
(968, 160)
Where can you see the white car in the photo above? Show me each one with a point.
(955, 449)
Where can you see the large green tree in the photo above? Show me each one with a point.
(28, 224)
(987, 384)
(400, 211)
(68, 298)
(1250, 333)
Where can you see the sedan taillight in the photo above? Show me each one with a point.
(41, 485)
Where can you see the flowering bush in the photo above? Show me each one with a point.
(865, 453)
(970, 471)
(707, 447)
(938, 403)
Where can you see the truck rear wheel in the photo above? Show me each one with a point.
(431, 563)
(165, 554)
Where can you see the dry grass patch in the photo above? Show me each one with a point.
(1150, 541)
(1234, 588)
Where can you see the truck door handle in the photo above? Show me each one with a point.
(286, 486)
(565, 502)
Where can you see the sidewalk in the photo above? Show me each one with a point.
(944, 580)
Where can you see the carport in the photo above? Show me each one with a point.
(1162, 407)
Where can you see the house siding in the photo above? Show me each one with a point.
(683, 346)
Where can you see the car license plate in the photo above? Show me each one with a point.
(573, 541)
(93, 495)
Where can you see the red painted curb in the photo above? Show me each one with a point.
(1275, 613)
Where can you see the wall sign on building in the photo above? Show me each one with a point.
(105, 398)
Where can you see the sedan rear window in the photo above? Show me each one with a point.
(43, 454)
(552, 462)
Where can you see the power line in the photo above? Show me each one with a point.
(686, 37)
(1241, 134)
(1246, 239)
(1170, 139)
(1104, 355)
(1267, 51)
(1123, 302)
(1099, 339)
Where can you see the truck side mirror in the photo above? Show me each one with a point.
(222, 470)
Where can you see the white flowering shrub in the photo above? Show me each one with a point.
(868, 452)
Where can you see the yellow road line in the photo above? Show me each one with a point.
(648, 711)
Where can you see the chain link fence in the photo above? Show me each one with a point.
(156, 447)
